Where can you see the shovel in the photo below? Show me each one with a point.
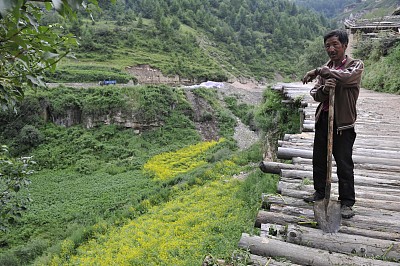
(327, 211)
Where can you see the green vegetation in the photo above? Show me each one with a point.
(227, 127)
(381, 59)
(275, 118)
(86, 73)
(92, 186)
(197, 40)
(29, 48)
(242, 110)
(14, 181)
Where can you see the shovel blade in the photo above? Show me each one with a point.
(327, 214)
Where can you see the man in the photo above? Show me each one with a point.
(344, 74)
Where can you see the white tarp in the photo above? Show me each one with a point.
(207, 84)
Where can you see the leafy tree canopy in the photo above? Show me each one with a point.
(27, 49)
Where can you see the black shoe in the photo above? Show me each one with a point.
(347, 212)
(313, 198)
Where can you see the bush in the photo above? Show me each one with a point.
(14, 183)
(221, 154)
(30, 136)
(9, 260)
(113, 169)
(31, 250)
(382, 74)
(86, 166)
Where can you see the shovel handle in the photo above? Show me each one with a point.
(331, 113)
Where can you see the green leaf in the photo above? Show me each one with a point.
(48, 6)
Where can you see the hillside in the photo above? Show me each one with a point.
(156, 174)
(192, 40)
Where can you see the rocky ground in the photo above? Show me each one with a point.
(249, 93)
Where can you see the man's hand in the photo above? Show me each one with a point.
(310, 76)
(329, 84)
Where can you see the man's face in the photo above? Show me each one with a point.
(335, 49)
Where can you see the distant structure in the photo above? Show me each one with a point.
(391, 23)
(386, 29)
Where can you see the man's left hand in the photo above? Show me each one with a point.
(310, 76)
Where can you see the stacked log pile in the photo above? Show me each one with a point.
(372, 236)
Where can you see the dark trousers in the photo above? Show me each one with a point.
(342, 151)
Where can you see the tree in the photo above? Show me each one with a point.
(27, 48)
(314, 56)
(13, 179)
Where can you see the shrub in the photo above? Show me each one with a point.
(86, 165)
(31, 250)
(30, 136)
(14, 183)
(113, 169)
(9, 260)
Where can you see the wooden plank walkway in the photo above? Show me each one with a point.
(372, 236)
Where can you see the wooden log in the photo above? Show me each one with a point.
(297, 145)
(366, 166)
(263, 261)
(367, 203)
(364, 192)
(301, 172)
(303, 135)
(358, 179)
(379, 223)
(302, 255)
(389, 159)
(377, 167)
(308, 127)
(269, 200)
(289, 153)
(275, 167)
(393, 154)
(338, 242)
(374, 137)
(305, 165)
(362, 146)
(265, 217)
(382, 132)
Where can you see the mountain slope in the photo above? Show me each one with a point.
(197, 40)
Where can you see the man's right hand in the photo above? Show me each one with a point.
(329, 84)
